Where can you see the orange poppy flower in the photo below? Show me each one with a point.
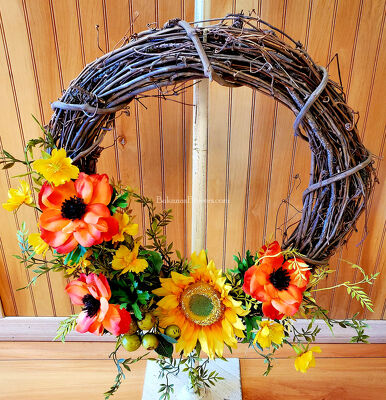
(76, 213)
(93, 293)
(278, 284)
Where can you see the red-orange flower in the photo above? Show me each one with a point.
(278, 284)
(76, 213)
(93, 293)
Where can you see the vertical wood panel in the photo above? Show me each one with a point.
(48, 87)
(22, 80)
(371, 16)
(172, 114)
(147, 119)
(253, 156)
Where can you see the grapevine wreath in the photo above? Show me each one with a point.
(147, 296)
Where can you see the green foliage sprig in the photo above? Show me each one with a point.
(199, 375)
(65, 327)
(354, 289)
(121, 364)
(312, 309)
(158, 222)
(30, 260)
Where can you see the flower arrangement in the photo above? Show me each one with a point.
(149, 296)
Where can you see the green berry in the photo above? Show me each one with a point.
(131, 342)
(173, 331)
(147, 322)
(150, 341)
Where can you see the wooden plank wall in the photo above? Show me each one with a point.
(254, 160)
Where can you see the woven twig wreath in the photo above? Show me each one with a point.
(233, 54)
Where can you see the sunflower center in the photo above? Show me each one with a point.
(91, 305)
(280, 279)
(201, 304)
(73, 208)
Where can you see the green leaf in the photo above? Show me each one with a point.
(154, 258)
(8, 165)
(137, 311)
(75, 256)
(164, 348)
(168, 338)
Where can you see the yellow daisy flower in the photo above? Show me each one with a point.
(124, 227)
(38, 244)
(57, 169)
(126, 260)
(201, 306)
(269, 332)
(19, 196)
(306, 360)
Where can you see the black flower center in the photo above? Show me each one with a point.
(91, 305)
(280, 279)
(73, 208)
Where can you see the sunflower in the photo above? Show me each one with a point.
(201, 306)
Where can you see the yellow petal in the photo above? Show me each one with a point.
(316, 349)
(161, 292)
(265, 331)
(168, 302)
(131, 229)
(139, 265)
(181, 280)
(200, 260)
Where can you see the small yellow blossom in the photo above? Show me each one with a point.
(57, 169)
(124, 227)
(126, 260)
(306, 359)
(38, 244)
(16, 197)
(269, 332)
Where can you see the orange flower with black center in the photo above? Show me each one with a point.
(77, 213)
(93, 293)
(277, 283)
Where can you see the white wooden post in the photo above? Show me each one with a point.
(200, 146)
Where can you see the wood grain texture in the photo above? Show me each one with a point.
(101, 350)
(253, 156)
(81, 370)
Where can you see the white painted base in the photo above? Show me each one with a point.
(227, 389)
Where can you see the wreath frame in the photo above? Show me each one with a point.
(241, 53)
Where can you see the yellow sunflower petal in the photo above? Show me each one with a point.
(168, 302)
(181, 280)
(200, 259)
